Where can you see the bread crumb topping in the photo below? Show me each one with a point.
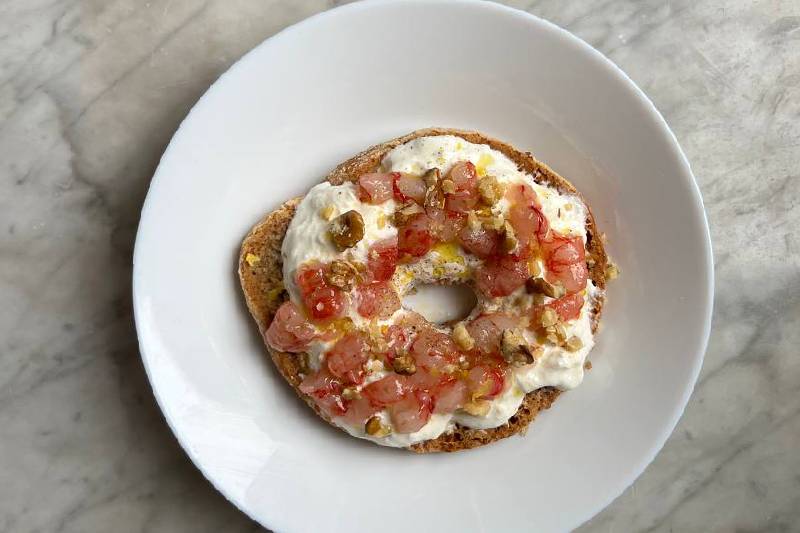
(252, 259)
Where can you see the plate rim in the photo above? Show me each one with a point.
(697, 205)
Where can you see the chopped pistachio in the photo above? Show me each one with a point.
(489, 190)
(549, 317)
(462, 337)
(537, 352)
(374, 365)
(535, 268)
(434, 195)
(341, 274)
(375, 337)
(350, 393)
(536, 249)
(509, 238)
(404, 364)
(485, 211)
(341, 326)
(327, 213)
(252, 259)
(537, 299)
(404, 213)
(434, 198)
(448, 186)
(493, 222)
(527, 356)
(573, 344)
(561, 332)
(347, 230)
(472, 221)
(375, 427)
(541, 286)
(477, 407)
(431, 177)
(515, 348)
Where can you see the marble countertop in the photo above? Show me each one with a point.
(92, 90)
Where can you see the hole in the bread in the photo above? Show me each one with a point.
(441, 304)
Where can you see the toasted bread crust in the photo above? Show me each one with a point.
(262, 280)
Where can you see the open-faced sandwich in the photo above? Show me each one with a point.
(324, 277)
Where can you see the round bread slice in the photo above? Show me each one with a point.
(260, 273)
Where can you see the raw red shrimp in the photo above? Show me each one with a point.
(289, 331)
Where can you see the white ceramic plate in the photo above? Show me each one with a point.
(317, 93)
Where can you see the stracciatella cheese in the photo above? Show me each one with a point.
(566, 213)
(307, 240)
(307, 236)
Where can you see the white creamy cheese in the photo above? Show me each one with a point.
(558, 367)
(436, 425)
(566, 213)
(500, 410)
(307, 240)
(307, 237)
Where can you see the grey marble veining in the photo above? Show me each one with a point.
(92, 90)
